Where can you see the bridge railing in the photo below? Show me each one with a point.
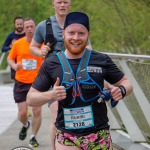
(4, 69)
(132, 114)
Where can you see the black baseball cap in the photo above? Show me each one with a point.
(77, 17)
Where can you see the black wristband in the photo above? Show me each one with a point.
(123, 90)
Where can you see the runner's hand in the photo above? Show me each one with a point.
(59, 91)
(45, 49)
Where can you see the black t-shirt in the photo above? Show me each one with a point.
(100, 68)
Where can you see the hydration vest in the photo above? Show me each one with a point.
(79, 84)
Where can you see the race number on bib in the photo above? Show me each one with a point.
(29, 64)
(78, 118)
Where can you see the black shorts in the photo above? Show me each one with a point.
(20, 91)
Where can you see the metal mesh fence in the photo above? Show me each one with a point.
(140, 69)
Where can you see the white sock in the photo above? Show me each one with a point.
(32, 136)
(26, 125)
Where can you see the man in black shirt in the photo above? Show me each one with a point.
(77, 76)
(15, 35)
(12, 37)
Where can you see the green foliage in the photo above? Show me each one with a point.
(116, 26)
(4, 64)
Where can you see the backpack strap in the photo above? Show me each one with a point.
(49, 35)
(67, 70)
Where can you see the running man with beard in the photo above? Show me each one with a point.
(62, 8)
(77, 76)
(12, 37)
(15, 35)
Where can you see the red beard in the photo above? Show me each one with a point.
(75, 50)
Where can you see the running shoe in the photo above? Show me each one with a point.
(23, 132)
(33, 142)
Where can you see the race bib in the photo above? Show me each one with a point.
(29, 64)
(78, 118)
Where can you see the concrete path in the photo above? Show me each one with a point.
(10, 126)
(8, 108)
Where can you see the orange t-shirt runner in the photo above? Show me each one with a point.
(30, 64)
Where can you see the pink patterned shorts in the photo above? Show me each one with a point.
(100, 140)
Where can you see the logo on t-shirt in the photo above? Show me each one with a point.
(94, 69)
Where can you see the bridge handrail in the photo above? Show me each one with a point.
(128, 56)
(135, 134)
